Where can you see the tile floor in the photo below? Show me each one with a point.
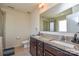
(20, 51)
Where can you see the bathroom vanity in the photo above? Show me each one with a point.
(53, 24)
(41, 47)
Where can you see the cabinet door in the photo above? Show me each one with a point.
(40, 51)
(33, 50)
(40, 48)
(40, 44)
(33, 47)
(47, 54)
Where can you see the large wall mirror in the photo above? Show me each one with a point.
(65, 21)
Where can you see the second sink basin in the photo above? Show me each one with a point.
(63, 44)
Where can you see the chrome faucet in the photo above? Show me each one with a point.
(75, 39)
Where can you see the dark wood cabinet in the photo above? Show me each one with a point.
(33, 46)
(36, 47)
(39, 48)
(56, 51)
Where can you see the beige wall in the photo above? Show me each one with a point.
(35, 20)
(16, 27)
(19, 25)
(1, 23)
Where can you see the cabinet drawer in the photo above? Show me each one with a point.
(56, 51)
(40, 52)
(46, 53)
(50, 49)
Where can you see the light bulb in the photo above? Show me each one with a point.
(41, 5)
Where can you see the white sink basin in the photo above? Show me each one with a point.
(63, 44)
(42, 38)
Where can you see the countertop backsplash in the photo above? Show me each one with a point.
(59, 33)
(57, 37)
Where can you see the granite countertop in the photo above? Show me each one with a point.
(46, 40)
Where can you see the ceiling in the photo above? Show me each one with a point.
(25, 7)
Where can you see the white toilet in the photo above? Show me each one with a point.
(25, 43)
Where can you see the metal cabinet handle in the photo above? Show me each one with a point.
(39, 43)
(35, 47)
(44, 54)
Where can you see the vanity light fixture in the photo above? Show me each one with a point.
(41, 5)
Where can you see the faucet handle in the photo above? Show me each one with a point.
(62, 38)
(75, 37)
(77, 40)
